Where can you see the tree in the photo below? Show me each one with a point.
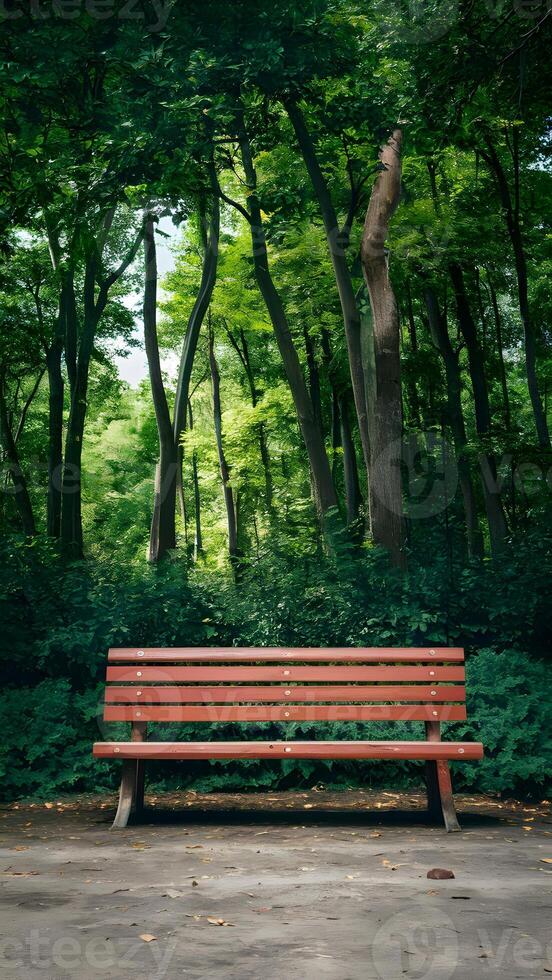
(384, 391)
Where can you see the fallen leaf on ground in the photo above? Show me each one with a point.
(21, 874)
(173, 893)
(546, 860)
(218, 922)
(147, 937)
(439, 874)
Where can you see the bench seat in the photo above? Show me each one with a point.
(230, 685)
(284, 750)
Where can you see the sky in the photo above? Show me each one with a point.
(134, 368)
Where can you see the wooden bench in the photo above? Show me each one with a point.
(225, 685)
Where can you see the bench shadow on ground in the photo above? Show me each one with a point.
(321, 817)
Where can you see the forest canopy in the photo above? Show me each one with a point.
(343, 433)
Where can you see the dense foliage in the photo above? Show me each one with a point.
(61, 620)
(342, 437)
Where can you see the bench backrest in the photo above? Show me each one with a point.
(285, 685)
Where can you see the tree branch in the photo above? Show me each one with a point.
(112, 278)
(234, 204)
(27, 405)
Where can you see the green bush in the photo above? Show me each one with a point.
(509, 710)
(49, 732)
(58, 622)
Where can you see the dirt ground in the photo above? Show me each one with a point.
(311, 885)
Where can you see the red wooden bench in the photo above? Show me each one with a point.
(281, 685)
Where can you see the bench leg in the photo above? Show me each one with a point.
(126, 794)
(440, 802)
(138, 801)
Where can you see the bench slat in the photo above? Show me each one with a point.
(286, 674)
(285, 713)
(283, 750)
(228, 695)
(275, 654)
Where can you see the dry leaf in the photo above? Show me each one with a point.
(440, 874)
(375, 834)
(218, 922)
(392, 867)
(21, 874)
(147, 937)
(545, 860)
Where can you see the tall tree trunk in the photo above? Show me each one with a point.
(71, 505)
(231, 516)
(68, 299)
(325, 495)
(242, 350)
(21, 496)
(511, 209)
(481, 310)
(201, 305)
(162, 533)
(181, 496)
(413, 333)
(198, 537)
(78, 352)
(385, 416)
(335, 411)
(55, 423)
(493, 504)
(500, 352)
(337, 243)
(342, 438)
(440, 336)
(353, 495)
(314, 377)
(473, 347)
